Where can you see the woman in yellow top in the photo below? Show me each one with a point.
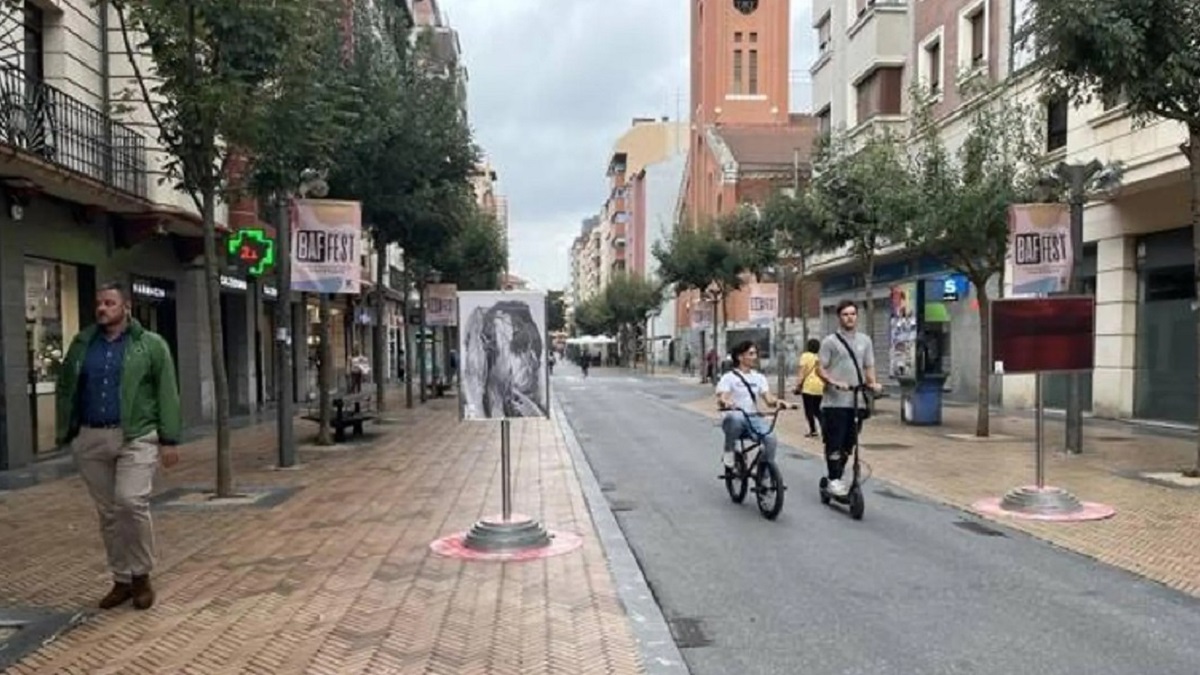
(811, 387)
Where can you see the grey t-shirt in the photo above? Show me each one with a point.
(836, 361)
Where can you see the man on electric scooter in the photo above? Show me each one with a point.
(740, 389)
(846, 360)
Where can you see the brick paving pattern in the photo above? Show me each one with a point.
(339, 578)
(1153, 533)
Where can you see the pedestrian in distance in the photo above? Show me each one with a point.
(810, 386)
(118, 409)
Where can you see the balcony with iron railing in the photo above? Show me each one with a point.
(62, 130)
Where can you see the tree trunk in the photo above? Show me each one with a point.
(212, 288)
(1193, 152)
(803, 298)
(380, 333)
(422, 345)
(325, 373)
(868, 281)
(408, 340)
(983, 412)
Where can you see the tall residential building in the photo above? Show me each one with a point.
(859, 80)
(447, 49)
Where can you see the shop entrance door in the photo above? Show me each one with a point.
(53, 313)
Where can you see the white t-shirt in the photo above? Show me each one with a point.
(731, 384)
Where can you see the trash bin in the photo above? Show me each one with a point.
(921, 402)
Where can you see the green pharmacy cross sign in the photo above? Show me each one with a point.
(253, 250)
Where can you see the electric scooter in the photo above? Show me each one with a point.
(854, 496)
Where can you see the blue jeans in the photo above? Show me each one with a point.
(735, 427)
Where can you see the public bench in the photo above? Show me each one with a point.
(350, 411)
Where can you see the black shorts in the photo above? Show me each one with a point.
(840, 427)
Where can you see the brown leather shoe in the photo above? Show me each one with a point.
(119, 595)
(143, 594)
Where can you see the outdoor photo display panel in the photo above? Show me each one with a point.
(1043, 335)
(502, 348)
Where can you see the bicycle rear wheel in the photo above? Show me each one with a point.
(769, 490)
(736, 480)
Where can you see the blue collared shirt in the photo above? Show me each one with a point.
(101, 386)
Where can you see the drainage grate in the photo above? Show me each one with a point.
(978, 528)
(892, 494)
(616, 505)
(689, 633)
(884, 446)
(608, 487)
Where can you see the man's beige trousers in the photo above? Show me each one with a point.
(119, 476)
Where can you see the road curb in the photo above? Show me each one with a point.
(660, 655)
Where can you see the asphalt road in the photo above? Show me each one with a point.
(908, 590)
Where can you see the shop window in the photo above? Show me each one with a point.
(52, 320)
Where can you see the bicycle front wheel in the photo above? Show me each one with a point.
(769, 490)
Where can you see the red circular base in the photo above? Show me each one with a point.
(453, 546)
(1090, 511)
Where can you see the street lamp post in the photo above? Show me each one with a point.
(412, 306)
(1080, 181)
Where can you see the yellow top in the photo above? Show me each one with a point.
(812, 383)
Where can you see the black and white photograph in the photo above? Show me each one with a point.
(502, 341)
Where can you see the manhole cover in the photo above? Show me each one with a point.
(884, 446)
(689, 633)
(620, 505)
(978, 528)
(892, 494)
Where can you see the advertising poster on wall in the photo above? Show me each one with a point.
(902, 333)
(702, 315)
(502, 347)
(326, 246)
(441, 305)
(764, 303)
(1040, 248)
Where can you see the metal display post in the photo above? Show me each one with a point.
(506, 470)
(284, 395)
(1039, 430)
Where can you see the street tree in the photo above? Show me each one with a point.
(963, 197)
(592, 316)
(557, 309)
(702, 260)
(863, 190)
(801, 226)
(628, 299)
(1143, 51)
(476, 255)
(753, 237)
(218, 66)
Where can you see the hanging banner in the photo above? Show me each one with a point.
(764, 303)
(902, 333)
(441, 305)
(702, 316)
(327, 247)
(1039, 246)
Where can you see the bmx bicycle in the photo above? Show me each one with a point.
(853, 499)
(768, 482)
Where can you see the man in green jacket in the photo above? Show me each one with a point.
(118, 401)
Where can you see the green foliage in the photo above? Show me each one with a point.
(621, 306)
(962, 196)
(592, 316)
(475, 256)
(219, 68)
(557, 308)
(753, 238)
(411, 157)
(863, 193)
(1143, 50)
(697, 259)
(799, 222)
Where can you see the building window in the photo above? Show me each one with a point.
(933, 66)
(753, 71)
(754, 38)
(1056, 124)
(34, 32)
(737, 71)
(880, 93)
(824, 34)
(824, 122)
(978, 37)
(737, 37)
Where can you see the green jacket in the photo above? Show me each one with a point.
(149, 392)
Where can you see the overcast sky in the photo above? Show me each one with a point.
(554, 83)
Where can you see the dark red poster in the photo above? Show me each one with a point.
(1031, 335)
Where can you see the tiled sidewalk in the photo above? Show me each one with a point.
(1155, 528)
(339, 578)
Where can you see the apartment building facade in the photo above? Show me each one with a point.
(1137, 242)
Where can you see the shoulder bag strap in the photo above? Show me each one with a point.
(748, 387)
(853, 358)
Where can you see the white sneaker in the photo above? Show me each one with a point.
(837, 488)
(727, 458)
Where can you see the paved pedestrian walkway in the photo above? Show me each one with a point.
(338, 578)
(1154, 532)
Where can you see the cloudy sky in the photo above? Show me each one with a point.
(554, 83)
